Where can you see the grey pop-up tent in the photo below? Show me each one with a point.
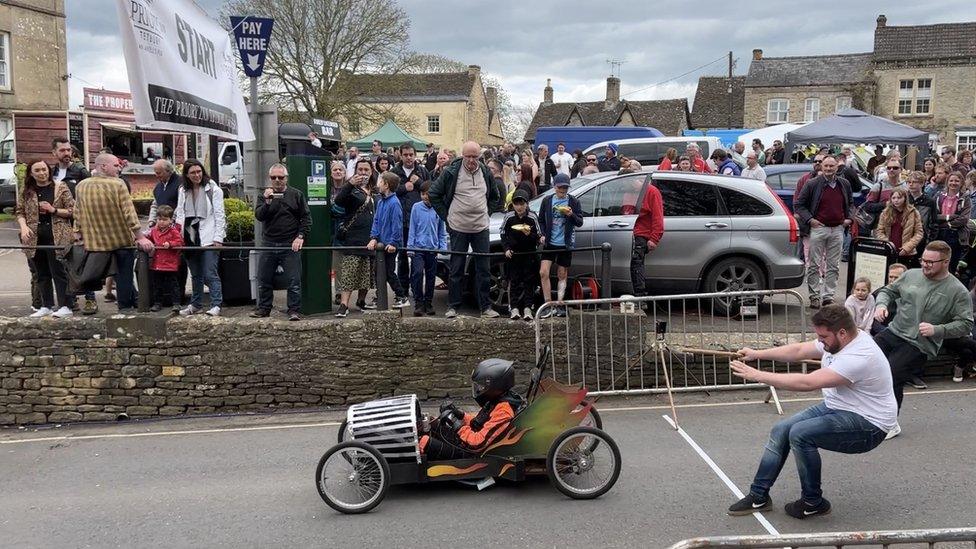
(854, 126)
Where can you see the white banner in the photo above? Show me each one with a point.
(181, 69)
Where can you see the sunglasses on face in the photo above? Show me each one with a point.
(893, 168)
(591, 159)
(277, 178)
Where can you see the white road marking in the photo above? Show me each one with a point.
(170, 433)
(721, 474)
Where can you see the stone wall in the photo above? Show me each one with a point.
(96, 369)
(757, 98)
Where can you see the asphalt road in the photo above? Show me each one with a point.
(248, 482)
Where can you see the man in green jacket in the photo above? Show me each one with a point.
(933, 306)
(463, 196)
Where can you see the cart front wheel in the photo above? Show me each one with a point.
(583, 463)
(344, 433)
(352, 477)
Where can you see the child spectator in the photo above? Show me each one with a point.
(559, 215)
(165, 235)
(427, 231)
(861, 304)
(388, 229)
(521, 233)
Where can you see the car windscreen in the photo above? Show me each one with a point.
(574, 185)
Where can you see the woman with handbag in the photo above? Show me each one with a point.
(355, 271)
(952, 217)
(44, 210)
(200, 211)
(901, 224)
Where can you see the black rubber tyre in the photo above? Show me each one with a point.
(735, 274)
(341, 436)
(364, 465)
(592, 419)
(564, 461)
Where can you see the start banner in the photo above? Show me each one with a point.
(181, 69)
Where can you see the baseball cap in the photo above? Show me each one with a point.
(613, 147)
(520, 196)
(561, 180)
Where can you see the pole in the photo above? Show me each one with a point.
(214, 162)
(382, 298)
(731, 102)
(605, 281)
(142, 280)
(251, 187)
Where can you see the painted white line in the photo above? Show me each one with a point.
(170, 433)
(721, 474)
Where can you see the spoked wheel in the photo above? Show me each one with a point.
(579, 472)
(593, 420)
(344, 433)
(352, 477)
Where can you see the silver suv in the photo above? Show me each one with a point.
(720, 234)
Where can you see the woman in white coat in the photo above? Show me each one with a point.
(200, 215)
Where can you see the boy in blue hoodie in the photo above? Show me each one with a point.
(429, 232)
(388, 229)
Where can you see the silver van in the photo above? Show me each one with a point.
(649, 151)
(721, 233)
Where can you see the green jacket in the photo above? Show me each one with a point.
(943, 303)
(442, 189)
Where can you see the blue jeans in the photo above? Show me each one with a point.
(478, 243)
(423, 274)
(125, 286)
(291, 263)
(203, 269)
(806, 432)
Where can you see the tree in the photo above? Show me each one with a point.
(317, 43)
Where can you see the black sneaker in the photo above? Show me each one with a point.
(418, 310)
(156, 308)
(429, 309)
(259, 313)
(800, 510)
(917, 382)
(749, 505)
(342, 311)
(293, 316)
(827, 302)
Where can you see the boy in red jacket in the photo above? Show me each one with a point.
(165, 262)
(648, 231)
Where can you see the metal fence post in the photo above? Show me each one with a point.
(382, 298)
(142, 279)
(605, 281)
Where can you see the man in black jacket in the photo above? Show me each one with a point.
(287, 220)
(412, 174)
(826, 205)
(547, 169)
(68, 172)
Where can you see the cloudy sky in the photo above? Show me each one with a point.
(523, 43)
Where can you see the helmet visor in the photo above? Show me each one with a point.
(478, 388)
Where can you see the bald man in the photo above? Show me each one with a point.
(463, 195)
(106, 221)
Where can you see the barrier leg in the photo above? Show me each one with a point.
(774, 396)
(667, 383)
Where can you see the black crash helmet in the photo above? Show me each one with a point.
(491, 379)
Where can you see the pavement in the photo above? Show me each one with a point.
(248, 481)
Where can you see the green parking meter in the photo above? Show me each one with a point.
(310, 174)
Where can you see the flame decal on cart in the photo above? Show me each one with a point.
(442, 470)
(505, 469)
(508, 440)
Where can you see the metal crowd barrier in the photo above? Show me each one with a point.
(626, 345)
(937, 537)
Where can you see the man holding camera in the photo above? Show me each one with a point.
(284, 212)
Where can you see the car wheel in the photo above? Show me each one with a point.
(735, 274)
(498, 290)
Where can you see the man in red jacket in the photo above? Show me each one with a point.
(648, 231)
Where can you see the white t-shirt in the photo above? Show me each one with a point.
(563, 162)
(754, 173)
(870, 394)
(59, 173)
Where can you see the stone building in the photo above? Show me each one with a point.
(715, 98)
(670, 116)
(926, 78)
(441, 108)
(33, 58)
(805, 89)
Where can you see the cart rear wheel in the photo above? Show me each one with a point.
(583, 463)
(352, 477)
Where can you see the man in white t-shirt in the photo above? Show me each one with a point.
(753, 170)
(857, 412)
(562, 159)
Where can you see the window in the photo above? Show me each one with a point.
(915, 96)
(433, 123)
(844, 102)
(737, 203)
(778, 111)
(687, 199)
(789, 179)
(4, 61)
(619, 196)
(965, 140)
(587, 201)
(811, 110)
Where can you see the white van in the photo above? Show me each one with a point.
(649, 151)
(8, 183)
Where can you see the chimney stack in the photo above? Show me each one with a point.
(756, 54)
(547, 92)
(613, 90)
(882, 21)
(474, 70)
(491, 94)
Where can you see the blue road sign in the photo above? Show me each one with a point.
(252, 35)
(319, 168)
